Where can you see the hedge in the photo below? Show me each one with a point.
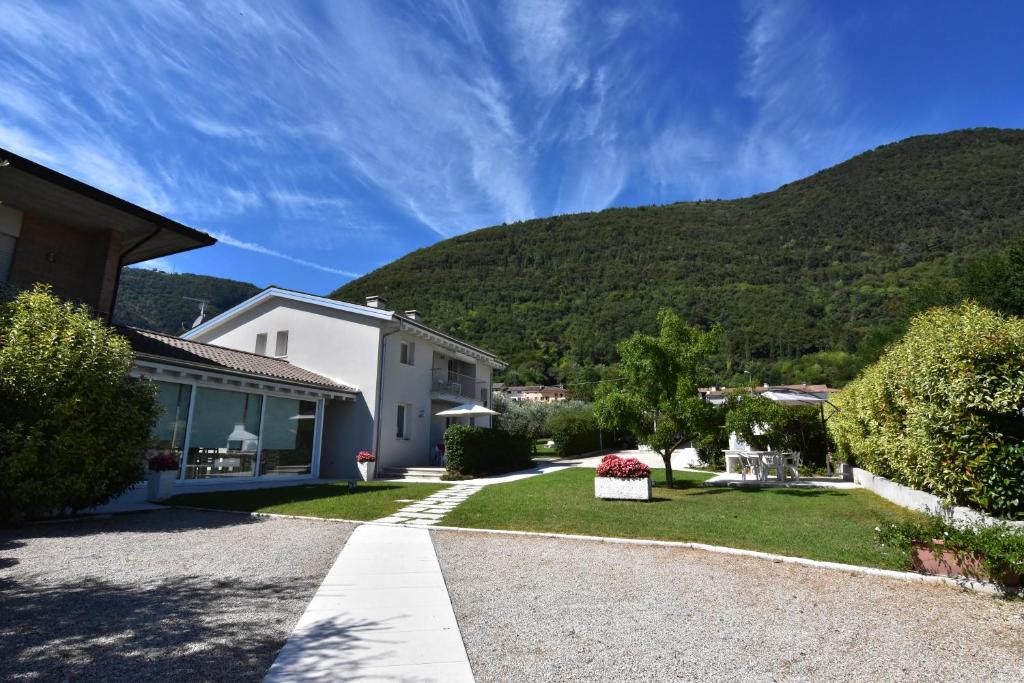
(574, 431)
(941, 410)
(475, 451)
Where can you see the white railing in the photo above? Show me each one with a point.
(456, 384)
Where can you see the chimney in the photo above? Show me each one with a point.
(376, 301)
(414, 315)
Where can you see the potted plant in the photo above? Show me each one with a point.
(367, 463)
(940, 546)
(622, 479)
(163, 470)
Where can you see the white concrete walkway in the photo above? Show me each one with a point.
(381, 614)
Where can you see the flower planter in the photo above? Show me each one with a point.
(615, 488)
(160, 485)
(946, 563)
(367, 469)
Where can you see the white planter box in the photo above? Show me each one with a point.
(367, 470)
(622, 489)
(160, 485)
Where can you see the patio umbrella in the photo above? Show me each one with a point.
(467, 410)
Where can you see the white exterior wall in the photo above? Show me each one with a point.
(336, 344)
(411, 385)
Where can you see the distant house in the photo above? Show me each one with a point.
(533, 393)
(58, 230)
(378, 379)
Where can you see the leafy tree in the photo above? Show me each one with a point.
(74, 425)
(764, 424)
(658, 399)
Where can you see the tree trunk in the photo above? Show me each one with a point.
(667, 459)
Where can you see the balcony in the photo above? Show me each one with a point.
(448, 384)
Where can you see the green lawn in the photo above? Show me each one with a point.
(370, 500)
(821, 524)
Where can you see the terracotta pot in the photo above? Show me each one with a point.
(946, 563)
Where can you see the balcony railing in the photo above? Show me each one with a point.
(456, 384)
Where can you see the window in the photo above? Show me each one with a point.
(281, 348)
(225, 434)
(403, 421)
(169, 431)
(289, 426)
(483, 397)
(261, 343)
(407, 354)
(7, 243)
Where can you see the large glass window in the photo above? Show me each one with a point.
(225, 434)
(169, 432)
(288, 429)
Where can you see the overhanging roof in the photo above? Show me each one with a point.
(36, 189)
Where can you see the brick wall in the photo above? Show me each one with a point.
(81, 266)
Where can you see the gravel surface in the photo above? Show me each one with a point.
(540, 609)
(174, 595)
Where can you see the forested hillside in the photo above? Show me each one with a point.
(807, 282)
(155, 300)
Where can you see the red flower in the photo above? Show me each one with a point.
(163, 462)
(622, 468)
(365, 456)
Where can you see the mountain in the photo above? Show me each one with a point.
(156, 301)
(806, 282)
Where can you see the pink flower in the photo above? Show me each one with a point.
(365, 456)
(622, 468)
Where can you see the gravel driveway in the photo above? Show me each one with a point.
(160, 596)
(539, 609)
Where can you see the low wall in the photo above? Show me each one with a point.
(904, 496)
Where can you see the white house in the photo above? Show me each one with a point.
(391, 374)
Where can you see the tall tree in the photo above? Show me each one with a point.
(657, 399)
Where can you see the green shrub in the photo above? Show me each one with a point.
(941, 410)
(74, 425)
(574, 431)
(475, 451)
(999, 547)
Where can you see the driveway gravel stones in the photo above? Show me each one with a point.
(543, 609)
(174, 595)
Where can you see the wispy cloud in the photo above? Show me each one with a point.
(230, 241)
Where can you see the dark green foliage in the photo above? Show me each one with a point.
(941, 410)
(73, 424)
(476, 451)
(153, 300)
(574, 431)
(830, 263)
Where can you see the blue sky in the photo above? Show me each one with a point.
(319, 141)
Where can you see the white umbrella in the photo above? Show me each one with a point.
(467, 410)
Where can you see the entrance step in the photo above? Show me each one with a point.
(412, 473)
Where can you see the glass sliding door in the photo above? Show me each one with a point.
(225, 434)
(289, 428)
(169, 431)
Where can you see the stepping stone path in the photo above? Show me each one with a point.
(431, 509)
